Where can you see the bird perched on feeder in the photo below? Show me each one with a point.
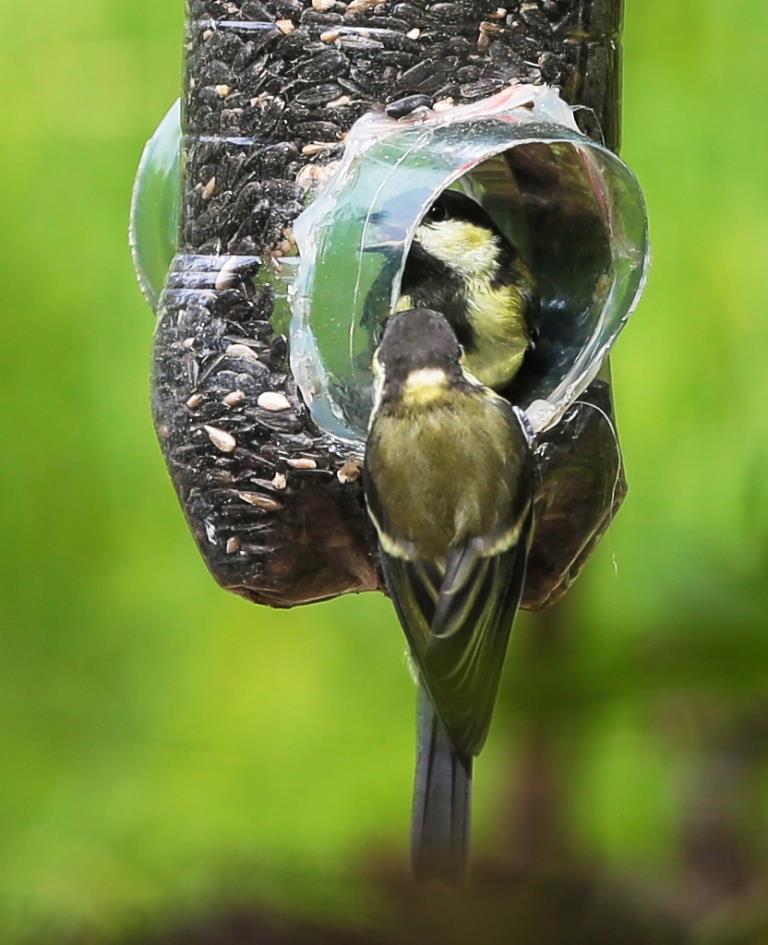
(448, 486)
(462, 265)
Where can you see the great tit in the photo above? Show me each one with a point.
(462, 265)
(448, 485)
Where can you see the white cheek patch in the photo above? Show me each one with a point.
(425, 378)
(439, 238)
(468, 249)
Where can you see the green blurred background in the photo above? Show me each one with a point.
(168, 749)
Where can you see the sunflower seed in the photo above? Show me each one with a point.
(241, 351)
(221, 439)
(404, 106)
(259, 501)
(209, 190)
(273, 401)
(234, 399)
(349, 472)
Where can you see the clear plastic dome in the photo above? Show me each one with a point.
(572, 208)
(155, 206)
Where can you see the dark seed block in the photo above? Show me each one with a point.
(271, 88)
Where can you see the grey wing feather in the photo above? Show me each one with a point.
(459, 637)
(461, 665)
(414, 597)
(458, 617)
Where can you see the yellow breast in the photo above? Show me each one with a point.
(500, 334)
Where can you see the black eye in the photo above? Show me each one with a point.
(437, 212)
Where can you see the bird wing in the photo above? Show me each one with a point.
(458, 618)
(461, 663)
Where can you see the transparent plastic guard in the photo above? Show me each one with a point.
(155, 206)
(571, 207)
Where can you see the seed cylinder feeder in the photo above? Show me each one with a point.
(272, 217)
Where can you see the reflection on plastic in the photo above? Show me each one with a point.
(155, 206)
(570, 206)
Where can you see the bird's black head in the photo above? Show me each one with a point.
(455, 241)
(452, 205)
(418, 352)
(417, 339)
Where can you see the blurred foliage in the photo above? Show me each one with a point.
(168, 748)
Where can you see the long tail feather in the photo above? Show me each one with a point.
(441, 802)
